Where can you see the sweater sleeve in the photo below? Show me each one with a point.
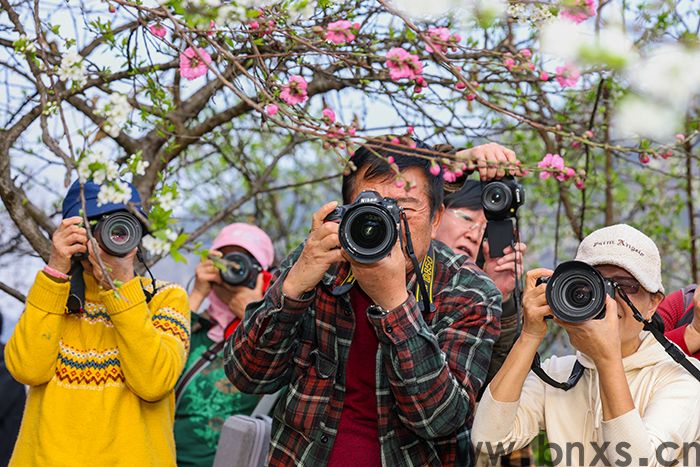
(32, 350)
(657, 436)
(503, 427)
(153, 339)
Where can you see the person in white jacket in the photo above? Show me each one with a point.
(633, 405)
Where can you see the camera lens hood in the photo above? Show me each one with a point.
(576, 292)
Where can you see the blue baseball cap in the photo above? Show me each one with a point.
(72, 205)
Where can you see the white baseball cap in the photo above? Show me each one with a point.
(626, 247)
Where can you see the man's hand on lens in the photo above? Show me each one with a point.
(321, 250)
(384, 281)
(502, 270)
(597, 338)
(535, 306)
(119, 269)
(241, 296)
(491, 160)
(69, 239)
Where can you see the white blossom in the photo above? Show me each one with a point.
(139, 165)
(564, 39)
(115, 192)
(95, 165)
(159, 243)
(72, 68)
(671, 74)
(116, 113)
(640, 117)
(167, 200)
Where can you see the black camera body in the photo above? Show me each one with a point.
(576, 292)
(500, 200)
(369, 227)
(118, 233)
(241, 269)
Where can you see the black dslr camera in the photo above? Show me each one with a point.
(500, 200)
(369, 227)
(118, 233)
(241, 269)
(576, 292)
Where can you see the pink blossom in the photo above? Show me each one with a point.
(272, 109)
(578, 10)
(545, 175)
(580, 184)
(527, 53)
(449, 176)
(544, 76)
(567, 76)
(410, 130)
(212, 28)
(390, 159)
(158, 30)
(553, 164)
(644, 158)
(294, 92)
(399, 183)
(434, 169)
(194, 62)
(460, 85)
(341, 32)
(328, 115)
(352, 131)
(254, 25)
(509, 63)
(588, 134)
(667, 154)
(471, 96)
(439, 38)
(680, 136)
(402, 64)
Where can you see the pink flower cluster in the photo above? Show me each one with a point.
(294, 92)
(157, 30)
(553, 166)
(567, 76)
(403, 64)
(328, 115)
(341, 32)
(441, 38)
(194, 62)
(578, 10)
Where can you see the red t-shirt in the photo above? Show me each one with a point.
(672, 309)
(357, 442)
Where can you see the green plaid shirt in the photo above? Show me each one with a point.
(430, 365)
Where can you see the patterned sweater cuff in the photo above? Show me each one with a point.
(49, 295)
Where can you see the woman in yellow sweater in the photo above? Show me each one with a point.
(101, 379)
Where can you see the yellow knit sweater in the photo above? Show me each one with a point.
(101, 382)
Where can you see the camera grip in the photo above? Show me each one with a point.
(335, 216)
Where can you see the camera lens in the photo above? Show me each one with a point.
(118, 233)
(576, 292)
(368, 230)
(368, 233)
(496, 197)
(238, 268)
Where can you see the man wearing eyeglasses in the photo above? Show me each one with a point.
(462, 228)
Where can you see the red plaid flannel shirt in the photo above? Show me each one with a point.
(429, 366)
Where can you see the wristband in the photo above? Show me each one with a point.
(55, 274)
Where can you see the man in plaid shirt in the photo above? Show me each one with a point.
(372, 378)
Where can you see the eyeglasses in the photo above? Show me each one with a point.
(627, 284)
(470, 224)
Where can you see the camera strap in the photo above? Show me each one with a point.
(574, 377)
(76, 296)
(676, 354)
(421, 273)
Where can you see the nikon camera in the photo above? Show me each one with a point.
(500, 200)
(369, 227)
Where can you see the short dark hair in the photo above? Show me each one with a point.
(373, 155)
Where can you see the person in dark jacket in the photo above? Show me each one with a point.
(12, 397)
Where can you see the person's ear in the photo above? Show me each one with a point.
(655, 301)
(437, 218)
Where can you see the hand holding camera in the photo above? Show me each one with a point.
(535, 307)
(69, 239)
(206, 274)
(322, 248)
(599, 339)
(504, 270)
